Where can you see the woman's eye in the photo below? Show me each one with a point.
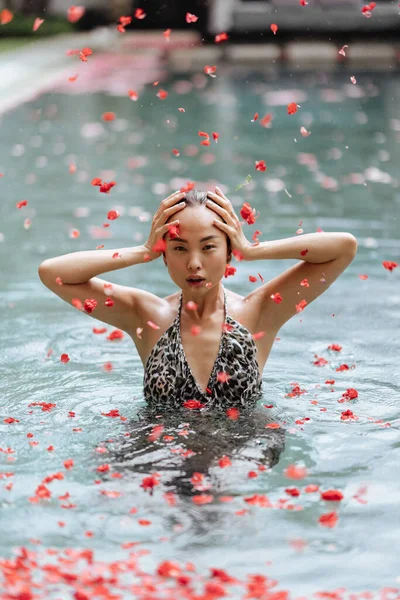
(182, 247)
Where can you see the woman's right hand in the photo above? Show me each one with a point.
(158, 226)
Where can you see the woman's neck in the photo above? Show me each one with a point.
(208, 303)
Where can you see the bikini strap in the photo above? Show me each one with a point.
(225, 305)
(178, 316)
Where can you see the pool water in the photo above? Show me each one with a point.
(85, 465)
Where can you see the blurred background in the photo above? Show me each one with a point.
(242, 19)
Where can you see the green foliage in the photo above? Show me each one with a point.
(22, 26)
(11, 43)
(246, 182)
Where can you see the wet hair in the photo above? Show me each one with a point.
(198, 198)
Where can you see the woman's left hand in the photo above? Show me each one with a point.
(219, 203)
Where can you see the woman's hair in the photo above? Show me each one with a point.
(198, 198)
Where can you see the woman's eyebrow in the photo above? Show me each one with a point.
(178, 239)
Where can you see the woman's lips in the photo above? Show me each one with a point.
(195, 282)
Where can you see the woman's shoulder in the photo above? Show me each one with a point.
(241, 310)
(149, 306)
(171, 301)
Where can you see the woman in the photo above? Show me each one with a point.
(203, 344)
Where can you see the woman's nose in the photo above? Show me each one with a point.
(194, 261)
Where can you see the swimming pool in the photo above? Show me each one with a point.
(76, 442)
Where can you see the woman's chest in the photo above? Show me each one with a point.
(200, 345)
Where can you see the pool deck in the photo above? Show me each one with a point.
(28, 71)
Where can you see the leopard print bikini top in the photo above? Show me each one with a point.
(234, 381)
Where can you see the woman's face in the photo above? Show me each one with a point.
(190, 254)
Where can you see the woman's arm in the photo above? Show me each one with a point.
(327, 256)
(79, 267)
(310, 247)
(72, 277)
